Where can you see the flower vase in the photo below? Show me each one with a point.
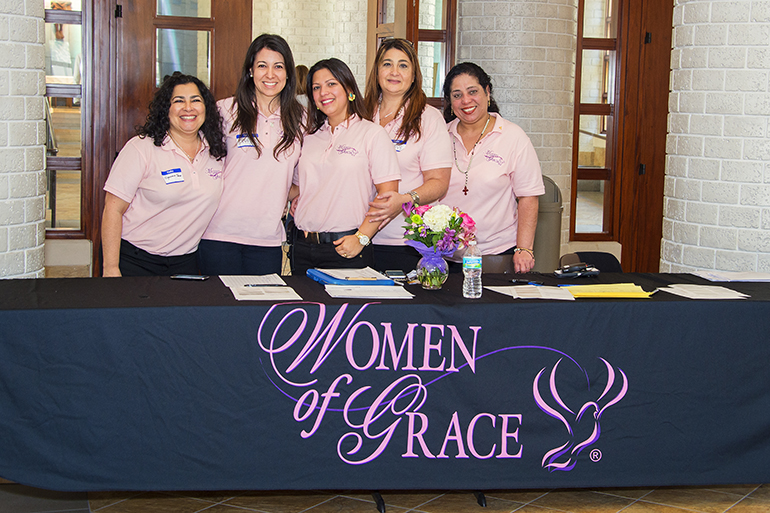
(432, 270)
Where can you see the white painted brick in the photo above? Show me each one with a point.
(723, 148)
(725, 103)
(685, 233)
(672, 252)
(745, 126)
(754, 149)
(3, 135)
(749, 35)
(741, 171)
(746, 80)
(754, 240)
(696, 57)
(755, 195)
(688, 189)
(11, 212)
(719, 238)
(684, 35)
(718, 192)
(692, 102)
(700, 258)
(709, 80)
(739, 217)
(11, 264)
(696, 12)
(760, 11)
(710, 35)
(703, 169)
(674, 209)
(763, 263)
(701, 213)
(758, 58)
(676, 166)
(734, 261)
(730, 57)
(726, 12)
(682, 79)
(705, 124)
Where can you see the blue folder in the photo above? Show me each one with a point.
(324, 278)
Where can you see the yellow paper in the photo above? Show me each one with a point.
(620, 290)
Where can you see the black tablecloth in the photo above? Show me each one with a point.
(150, 383)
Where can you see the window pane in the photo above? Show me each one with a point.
(62, 199)
(183, 50)
(589, 208)
(190, 8)
(432, 14)
(63, 64)
(596, 84)
(67, 5)
(592, 141)
(63, 138)
(388, 11)
(600, 18)
(432, 59)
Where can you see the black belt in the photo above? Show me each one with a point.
(322, 237)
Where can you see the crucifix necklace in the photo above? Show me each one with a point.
(473, 151)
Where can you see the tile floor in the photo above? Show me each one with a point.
(733, 498)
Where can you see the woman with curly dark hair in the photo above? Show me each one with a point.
(263, 127)
(165, 185)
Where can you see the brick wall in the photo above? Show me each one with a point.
(22, 135)
(317, 29)
(528, 48)
(717, 208)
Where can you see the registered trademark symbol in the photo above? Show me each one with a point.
(596, 455)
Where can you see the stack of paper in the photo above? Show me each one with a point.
(732, 276)
(368, 292)
(365, 276)
(703, 291)
(533, 292)
(618, 290)
(269, 287)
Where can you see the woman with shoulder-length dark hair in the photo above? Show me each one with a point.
(496, 176)
(165, 185)
(263, 127)
(346, 161)
(395, 100)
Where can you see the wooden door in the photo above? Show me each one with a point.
(646, 50)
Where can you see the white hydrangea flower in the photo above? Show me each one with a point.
(437, 218)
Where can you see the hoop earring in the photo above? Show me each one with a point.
(351, 97)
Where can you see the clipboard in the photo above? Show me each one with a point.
(327, 279)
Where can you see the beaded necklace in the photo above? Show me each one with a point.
(473, 152)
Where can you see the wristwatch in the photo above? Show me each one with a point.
(363, 239)
(415, 198)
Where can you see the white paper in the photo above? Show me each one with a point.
(368, 292)
(732, 276)
(367, 273)
(533, 292)
(703, 291)
(252, 281)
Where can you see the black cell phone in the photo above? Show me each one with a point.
(574, 268)
(194, 277)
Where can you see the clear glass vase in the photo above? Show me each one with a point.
(432, 271)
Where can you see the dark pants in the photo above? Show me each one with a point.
(457, 267)
(219, 258)
(138, 262)
(308, 256)
(388, 258)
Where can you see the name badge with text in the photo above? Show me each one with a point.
(172, 176)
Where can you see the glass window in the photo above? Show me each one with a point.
(63, 55)
(596, 85)
(388, 11)
(188, 8)
(187, 51)
(600, 18)
(592, 141)
(66, 5)
(432, 59)
(589, 207)
(62, 199)
(63, 126)
(431, 14)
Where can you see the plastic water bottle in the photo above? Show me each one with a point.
(472, 271)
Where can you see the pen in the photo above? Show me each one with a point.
(525, 282)
(363, 278)
(265, 285)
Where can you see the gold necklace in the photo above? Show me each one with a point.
(197, 149)
(473, 152)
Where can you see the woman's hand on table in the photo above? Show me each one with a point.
(523, 262)
(348, 246)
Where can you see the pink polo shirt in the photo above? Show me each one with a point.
(432, 150)
(337, 173)
(504, 167)
(256, 188)
(171, 200)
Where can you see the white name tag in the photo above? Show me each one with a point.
(172, 176)
(243, 140)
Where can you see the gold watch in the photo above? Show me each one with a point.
(363, 239)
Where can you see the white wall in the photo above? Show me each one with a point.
(717, 209)
(22, 135)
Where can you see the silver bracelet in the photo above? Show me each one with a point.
(415, 198)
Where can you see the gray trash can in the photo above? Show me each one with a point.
(548, 233)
